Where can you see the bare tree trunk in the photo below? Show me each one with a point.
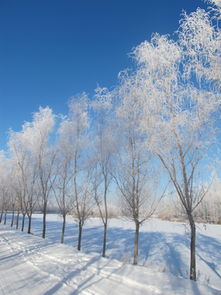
(192, 249)
(29, 223)
(44, 221)
(13, 216)
(104, 240)
(23, 222)
(136, 241)
(17, 219)
(105, 219)
(79, 235)
(5, 218)
(63, 229)
(1, 216)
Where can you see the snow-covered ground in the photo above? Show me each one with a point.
(31, 265)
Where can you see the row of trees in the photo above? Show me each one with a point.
(75, 168)
(163, 112)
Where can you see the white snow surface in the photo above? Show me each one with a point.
(32, 265)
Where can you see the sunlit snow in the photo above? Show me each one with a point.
(32, 265)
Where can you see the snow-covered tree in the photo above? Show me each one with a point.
(176, 84)
(73, 140)
(44, 156)
(63, 186)
(24, 175)
(134, 169)
(200, 37)
(5, 169)
(35, 160)
(104, 147)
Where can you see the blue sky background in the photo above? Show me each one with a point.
(53, 49)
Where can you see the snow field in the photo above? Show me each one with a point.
(31, 264)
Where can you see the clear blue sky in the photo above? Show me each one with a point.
(53, 49)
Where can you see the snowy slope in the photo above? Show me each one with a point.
(30, 264)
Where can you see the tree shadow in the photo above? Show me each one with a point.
(70, 276)
(210, 252)
(162, 251)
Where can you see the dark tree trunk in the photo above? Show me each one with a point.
(136, 241)
(63, 229)
(17, 219)
(29, 223)
(13, 216)
(79, 235)
(104, 240)
(44, 221)
(23, 222)
(192, 248)
(5, 218)
(1, 216)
